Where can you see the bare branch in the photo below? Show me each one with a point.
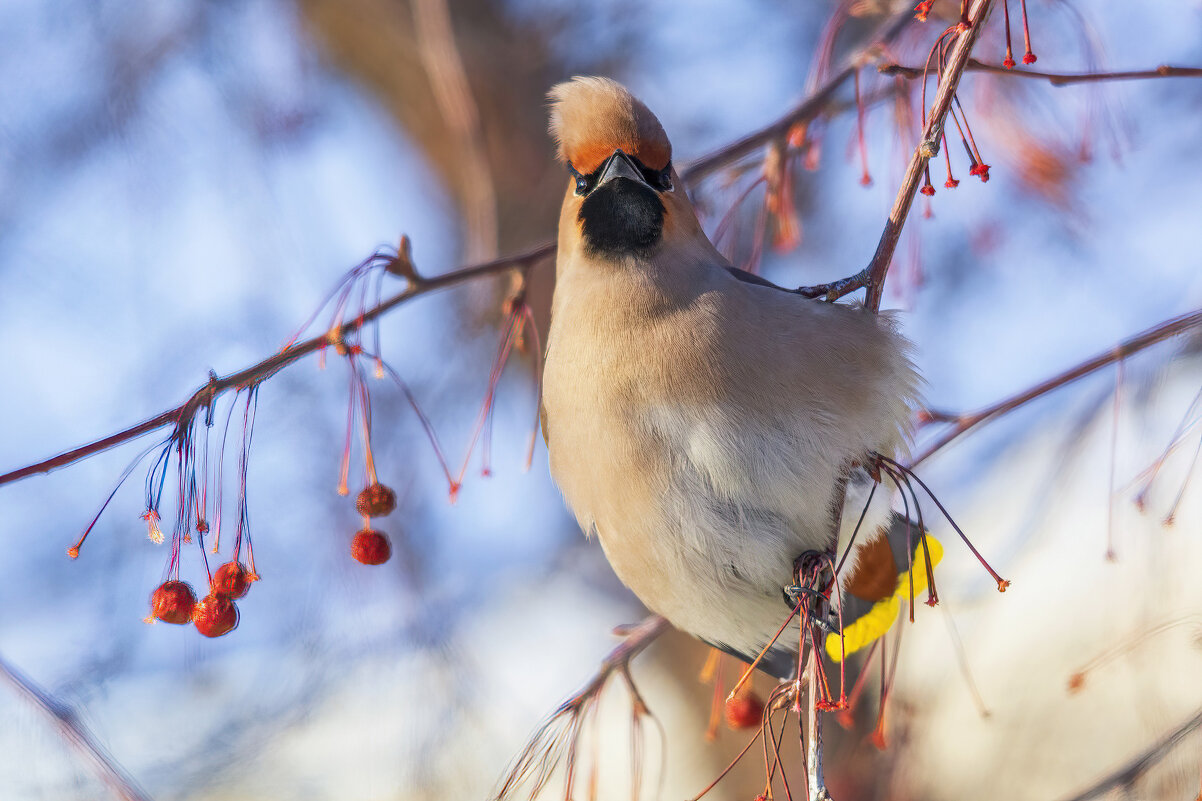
(700, 168)
(75, 733)
(1128, 775)
(1054, 78)
(965, 422)
(443, 63)
(555, 743)
(928, 148)
(807, 110)
(182, 415)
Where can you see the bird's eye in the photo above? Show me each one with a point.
(584, 183)
(665, 178)
(659, 179)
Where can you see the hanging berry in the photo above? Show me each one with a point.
(371, 547)
(215, 615)
(172, 602)
(378, 500)
(745, 710)
(231, 580)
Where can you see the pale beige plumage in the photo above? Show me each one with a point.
(698, 422)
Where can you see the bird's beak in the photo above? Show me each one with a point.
(619, 165)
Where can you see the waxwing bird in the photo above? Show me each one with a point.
(698, 418)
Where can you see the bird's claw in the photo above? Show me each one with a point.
(808, 569)
(828, 622)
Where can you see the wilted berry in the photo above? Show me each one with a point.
(377, 500)
(744, 711)
(215, 615)
(172, 602)
(231, 580)
(370, 547)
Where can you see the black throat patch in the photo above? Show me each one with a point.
(621, 218)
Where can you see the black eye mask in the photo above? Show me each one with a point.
(622, 217)
(659, 180)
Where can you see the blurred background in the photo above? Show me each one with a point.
(182, 183)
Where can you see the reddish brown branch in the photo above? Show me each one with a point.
(255, 374)
(928, 148)
(554, 745)
(697, 170)
(1054, 78)
(805, 111)
(961, 424)
(636, 638)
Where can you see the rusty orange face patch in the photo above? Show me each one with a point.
(593, 117)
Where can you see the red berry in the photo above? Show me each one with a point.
(370, 547)
(231, 580)
(215, 615)
(744, 711)
(377, 500)
(172, 602)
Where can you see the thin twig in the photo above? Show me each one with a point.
(873, 277)
(75, 733)
(1055, 78)
(554, 744)
(928, 148)
(808, 109)
(698, 169)
(204, 396)
(1127, 776)
(443, 63)
(965, 422)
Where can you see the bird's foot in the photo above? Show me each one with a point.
(819, 611)
(811, 588)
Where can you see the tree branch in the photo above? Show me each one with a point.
(928, 148)
(697, 170)
(805, 111)
(554, 745)
(1055, 79)
(181, 415)
(960, 424)
(1127, 776)
(75, 733)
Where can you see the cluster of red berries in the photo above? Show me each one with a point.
(369, 546)
(215, 614)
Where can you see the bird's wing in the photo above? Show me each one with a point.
(780, 663)
(751, 278)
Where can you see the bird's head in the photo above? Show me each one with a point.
(623, 197)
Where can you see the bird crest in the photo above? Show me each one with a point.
(593, 117)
